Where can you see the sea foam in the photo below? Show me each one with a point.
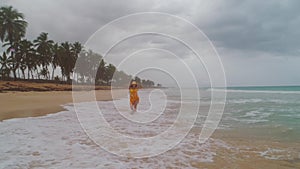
(58, 141)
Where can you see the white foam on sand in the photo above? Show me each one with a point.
(275, 154)
(243, 101)
(58, 141)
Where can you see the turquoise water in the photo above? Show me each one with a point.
(267, 88)
(272, 109)
(273, 112)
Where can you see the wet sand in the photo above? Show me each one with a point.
(32, 104)
(246, 150)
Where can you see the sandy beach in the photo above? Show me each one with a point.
(16, 104)
(246, 148)
(235, 148)
(21, 99)
(247, 151)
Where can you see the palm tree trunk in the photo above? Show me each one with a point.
(68, 78)
(2, 73)
(38, 75)
(19, 76)
(28, 77)
(15, 75)
(23, 72)
(31, 74)
(53, 68)
(47, 73)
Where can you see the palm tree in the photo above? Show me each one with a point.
(44, 50)
(76, 48)
(27, 54)
(12, 29)
(5, 65)
(121, 79)
(109, 73)
(67, 60)
(44, 72)
(55, 58)
(12, 25)
(94, 60)
(137, 79)
(100, 75)
(32, 64)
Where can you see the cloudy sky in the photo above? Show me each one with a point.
(257, 41)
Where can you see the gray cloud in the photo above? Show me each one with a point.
(269, 26)
(239, 29)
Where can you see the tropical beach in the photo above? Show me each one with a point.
(230, 146)
(149, 84)
(16, 104)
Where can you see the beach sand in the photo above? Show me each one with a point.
(245, 151)
(31, 104)
(242, 148)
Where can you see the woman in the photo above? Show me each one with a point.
(134, 98)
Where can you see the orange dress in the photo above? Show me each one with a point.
(134, 95)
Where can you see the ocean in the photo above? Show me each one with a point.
(274, 110)
(259, 128)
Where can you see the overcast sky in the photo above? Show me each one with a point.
(258, 41)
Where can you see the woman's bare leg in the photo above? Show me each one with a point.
(135, 105)
(131, 106)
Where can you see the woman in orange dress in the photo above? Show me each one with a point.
(134, 98)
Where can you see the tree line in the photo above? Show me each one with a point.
(40, 58)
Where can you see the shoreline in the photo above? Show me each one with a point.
(241, 149)
(227, 149)
(16, 104)
(32, 86)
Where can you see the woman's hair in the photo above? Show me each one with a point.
(132, 85)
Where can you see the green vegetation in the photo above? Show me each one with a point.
(38, 59)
